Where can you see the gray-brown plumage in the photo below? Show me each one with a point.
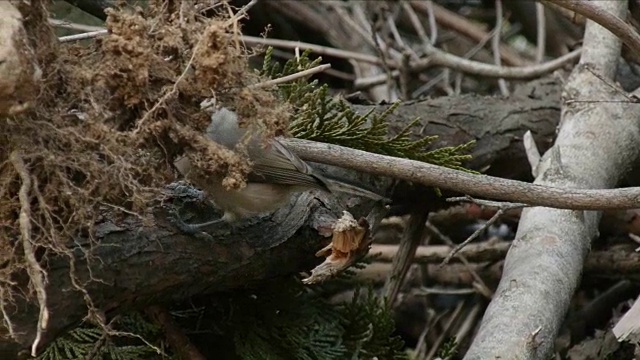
(276, 173)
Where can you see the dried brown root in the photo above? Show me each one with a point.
(36, 273)
(105, 125)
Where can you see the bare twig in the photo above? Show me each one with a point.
(438, 57)
(415, 22)
(462, 25)
(473, 51)
(445, 330)
(298, 75)
(441, 58)
(433, 26)
(495, 45)
(479, 285)
(467, 326)
(541, 33)
(83, 36)
(253, 40)
(443, 291)
(5, 297)
(411, 238)
(36, 273)
(432, 254)
(240, 13)
(318, 49)
(173, 91)
(502, 208)
(74, 26)
(593, 11)
(466, 183)
(420, 350)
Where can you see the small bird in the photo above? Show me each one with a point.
(276, 174)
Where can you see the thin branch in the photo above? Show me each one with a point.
(541, 32)
(464, 182)
(173, 91)
(241, 13)
(472, 52)
(487, 203)
(502, 208)
(5, 297)
(495, 45)
(74, 26)
(479, 285)
(83, 36)
(467, 326)
(417, 26)
(443, 291)
(434, 254)
(444, 331)
(411, 239)
(250, 40)
(609, 263)
(594, 12)
(318, 49)
(298, 75)
(437, 57)
(462, 25)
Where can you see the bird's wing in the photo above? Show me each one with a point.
(278, 164)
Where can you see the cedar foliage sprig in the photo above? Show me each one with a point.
(320, 117)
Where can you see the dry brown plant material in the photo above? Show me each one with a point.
(351, 241)
(19, 73)
(109, 119)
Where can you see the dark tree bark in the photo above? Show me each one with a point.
(136, 264)
(497, 125)
(93, 7)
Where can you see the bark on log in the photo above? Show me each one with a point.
(134, 265)
(144, 264)
(93, 7)
(497, 124)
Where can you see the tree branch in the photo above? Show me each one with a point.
(597, 13)
(464, 182)
(596, 143)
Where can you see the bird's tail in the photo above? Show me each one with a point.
(340, 186)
